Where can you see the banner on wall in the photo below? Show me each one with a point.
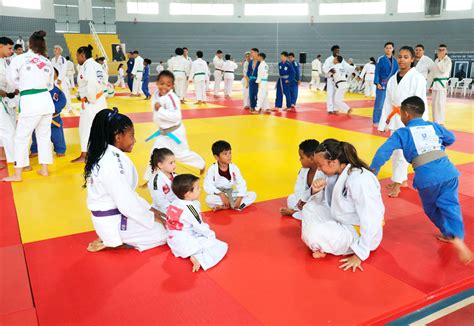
(118, 52)
(463, 64)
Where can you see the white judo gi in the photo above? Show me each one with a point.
(413, 83)
(302, 192)
(120, 78)
(137, 72)
(214, 183)
(190, 236)
(33, 75)
(368, 73)
(199, 72)
(330, 84)
(180, 68)
(168, 119)
(61, 64)
(160, 190)
(423, 66)
(91, 91)
(229, 76)
(341, 85)
(70, 73)
(438, 79)
(262, 81)
(119, 214)
(7, 114)
(346, 216)
(218, 72)
(188, 76)
(315, 74)
(245, 88)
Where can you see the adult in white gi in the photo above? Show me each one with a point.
(339, 73)
(405, 83)
(60, 63)
(218, 71)
(330, 86)
(229, 67)
(422, 63)
(438, 79)
(262, 81)
(198, 74)
(344, 215)
(368, 75)
(215, 184)
(180, 67)
(91, 92)
(33, 75)
(245, 81)
(316, 71)
(137, 74)
(21, 42)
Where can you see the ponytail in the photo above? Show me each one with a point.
(86, 50)
(107, 123)
(158, 156)
(344, 152)
(37, 43)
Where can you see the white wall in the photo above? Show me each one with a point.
(46, 11)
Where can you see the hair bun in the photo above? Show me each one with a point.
(90, 47)
(39, 34)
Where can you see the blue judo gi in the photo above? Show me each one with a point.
(57, 132)
(130, 64)
(384, 69)
(253, 86)
(437, 180)
(287, 74)
(294, 82)
(146, 80)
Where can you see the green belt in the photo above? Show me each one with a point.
(33, 91)
(139, 70)
(439, 80)
(179, 71)
(199, 74)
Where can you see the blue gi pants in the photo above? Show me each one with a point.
(145, 87)
(378, 105)
(130, 82)
(57, 138)
(253, 91)
(294, 93)
(283, 89)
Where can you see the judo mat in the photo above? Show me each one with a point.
(268, 276)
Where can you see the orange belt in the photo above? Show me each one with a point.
(97, 96)
(395, 110)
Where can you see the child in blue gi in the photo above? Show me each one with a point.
(252, 72)
(146, 78)
(436, 178)
(57, 132)
(287, 74)
(295, 83)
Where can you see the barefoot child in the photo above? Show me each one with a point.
(163, 165)
(189, 236)
(119, 214)
(436, 178)
(339, 73)
(167, 116)
(221, 178)
(262, 81)
(305, 178)
(229, 67)
(344, 214)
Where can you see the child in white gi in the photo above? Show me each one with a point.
(189, 236)
(163, 164)
(221, 178)
(119, 214)
(306, 176)
(262, 81)
(171, 133)
(199, 73)
(120, 76)
(229, 67)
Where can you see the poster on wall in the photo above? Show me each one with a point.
(463, 64)
(118, 52)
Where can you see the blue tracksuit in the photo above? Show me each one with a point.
(130, 64)
(384, 69)
(287, 74)
(253, 86)
(146, 80)
(436, 181)
(294, 82)
(57, 132)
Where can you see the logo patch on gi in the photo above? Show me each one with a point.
(166, 189)
(172, 218)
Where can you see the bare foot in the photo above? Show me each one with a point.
(27, 168)
(349, 112)
(80, 159)
(201, 172)
(285, 211)
(198, 102)
(444, 238)
(43, 173)
(395, 192)
(33, 155)
(218, 208)
(60, 154)
(246, 107)
(390, 186)
(96, 245)
(196, 265)
(13, 178)
(464, 253)
(318, 254)
(267, 111)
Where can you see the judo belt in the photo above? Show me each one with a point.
(315, 70)
(33, 91)
(97, 96)
(264, 79)
(395, 110)
(439, 80)
(341, 81)
(219, 70)
(199, 74)
(229, 72)
(285, 76)
(179, 71)
(166, 132)
(427, 158)
(228, 193)
(112, 212)
(357, 227)
(54, 122)
(252, 78)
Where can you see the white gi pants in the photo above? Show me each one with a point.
(315, 79)
(70, 79)
(340, 91)
(41, 124)
(291, 203)
(438, 105)
(245, 92)
(137, 84)
(214, 200)
(200, 89)
(262, 97)
(228, 82)
(120, 82)
(180, 82)
(369, 88)
(330, 89)
(7, 131)
(399, 165)
(181, 151)
(87, 115)
(217, 81)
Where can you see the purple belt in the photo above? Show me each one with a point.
(112, 212)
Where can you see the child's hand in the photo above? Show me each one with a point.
(353, 262)
(300, 204)
(318, 185)
(238, 202)
(157, 106)
(225, 200)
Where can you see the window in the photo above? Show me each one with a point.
(145, 8)
(210, 9)
(28, 4)
(407, 6)
(456, 5)
(66, 14)
(276, 9)
(352, 8)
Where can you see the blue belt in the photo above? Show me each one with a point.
(112, 212)
(252, 77)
